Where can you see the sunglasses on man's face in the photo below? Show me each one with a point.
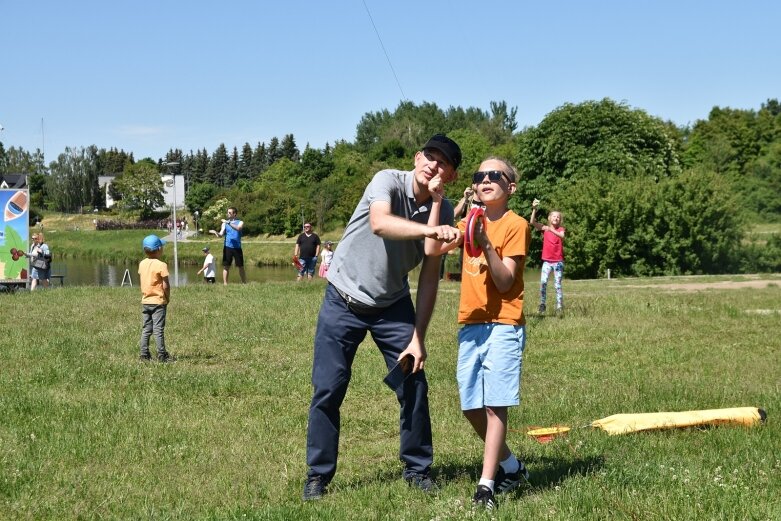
(494, 176)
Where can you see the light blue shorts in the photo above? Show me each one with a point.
(490, 358)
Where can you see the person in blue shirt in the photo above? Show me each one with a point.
(231, 251)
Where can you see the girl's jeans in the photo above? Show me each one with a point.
(558, 273)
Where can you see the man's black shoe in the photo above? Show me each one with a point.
(314, 488)
(421, 481)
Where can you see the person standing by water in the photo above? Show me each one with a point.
(327, 255)
(209, 270)
(307, 250)
(40, 262)
(231, 251)
(155, 295)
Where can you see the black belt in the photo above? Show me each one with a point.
(356, 306)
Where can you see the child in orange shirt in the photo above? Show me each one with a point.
(493, 335)
(156, 292)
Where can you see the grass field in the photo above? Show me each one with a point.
(89, 432)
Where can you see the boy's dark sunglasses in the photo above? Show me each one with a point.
(493, 176)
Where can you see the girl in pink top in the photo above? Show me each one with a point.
(552, 255)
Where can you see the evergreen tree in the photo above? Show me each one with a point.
(112, 162)
(259, 161)
(274, 152)
(200, 167)
(233, 167)
(289, 149)
(217, 171)
(245, 163)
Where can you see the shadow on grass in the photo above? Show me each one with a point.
(197, 357)
(544, 473)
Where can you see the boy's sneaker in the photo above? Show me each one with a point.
(145, 358)
(507, 481)
(314, 488)
(484, 498)
(165, 358)
(541, 309)
(421, 481)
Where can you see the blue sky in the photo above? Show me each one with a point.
(146, 76)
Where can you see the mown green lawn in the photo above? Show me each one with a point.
(89, 432)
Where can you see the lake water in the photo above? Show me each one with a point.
(84, 272)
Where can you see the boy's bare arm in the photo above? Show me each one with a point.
(502, 270)
(166, 288)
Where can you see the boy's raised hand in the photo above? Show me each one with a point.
(535, 203)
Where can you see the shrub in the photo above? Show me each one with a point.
(686, 224)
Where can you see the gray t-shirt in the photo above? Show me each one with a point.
(369, 268)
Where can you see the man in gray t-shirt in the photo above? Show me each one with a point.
(368, 291)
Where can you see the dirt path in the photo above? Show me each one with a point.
(725, 284)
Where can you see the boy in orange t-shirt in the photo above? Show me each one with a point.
(493, 335)
(156, 292)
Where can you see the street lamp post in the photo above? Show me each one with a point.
(195, 214)
(169, 183)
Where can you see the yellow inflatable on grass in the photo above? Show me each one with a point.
(626, 423)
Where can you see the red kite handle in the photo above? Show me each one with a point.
(471, 245)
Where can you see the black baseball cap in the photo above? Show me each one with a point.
(447, 146)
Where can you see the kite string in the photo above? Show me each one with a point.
(403, 96)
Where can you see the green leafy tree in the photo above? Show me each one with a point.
(574, 141)
(316, 164)
(211, 217)
(19, 161)
(199, 195)
(474, 148)
(281, 203)
(725, 142)
(141, 187)
(636, 226)
(743, 146)
(73, 182)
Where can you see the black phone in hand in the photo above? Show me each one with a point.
(399, 372)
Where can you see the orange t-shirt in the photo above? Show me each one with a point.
(481, 302)
(152, 272)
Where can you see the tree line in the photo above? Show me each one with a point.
(641, 196)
